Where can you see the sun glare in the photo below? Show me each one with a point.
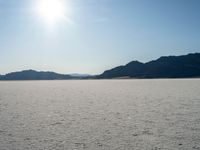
(52, 11)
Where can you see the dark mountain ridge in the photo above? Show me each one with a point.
(184, 66)
(34, 75)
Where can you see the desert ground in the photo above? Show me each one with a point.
(153, 114)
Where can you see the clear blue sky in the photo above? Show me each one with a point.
(101, 34)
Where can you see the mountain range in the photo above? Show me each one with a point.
(34, 75)
(185, 66)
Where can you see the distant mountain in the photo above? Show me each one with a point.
(80, 75)
(184, 66)
(34, 75)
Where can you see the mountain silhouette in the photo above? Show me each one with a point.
(34, 75)
(184, 66)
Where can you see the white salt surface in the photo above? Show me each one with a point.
(100, 115)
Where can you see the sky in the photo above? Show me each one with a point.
(95, 35)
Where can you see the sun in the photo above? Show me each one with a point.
(51, 11)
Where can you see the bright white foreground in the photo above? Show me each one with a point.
(100, 115)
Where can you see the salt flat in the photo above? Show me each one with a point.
(100, 115)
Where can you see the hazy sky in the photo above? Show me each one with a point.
(96, 34)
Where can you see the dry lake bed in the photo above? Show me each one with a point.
(161, 114)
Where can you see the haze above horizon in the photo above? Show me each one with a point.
(88, 36)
